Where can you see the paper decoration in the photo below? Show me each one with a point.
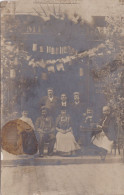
(12, 73)
(28, 58)
(60, 50)
(44, 76)
(16, 61)
(42, 64)
(81, 72)
(41, 49)
(51, 68)
(60, 67)
(49, 49)
(31, 62)
(52, 50)
(100, 54)
(1, 71)
(65, 49)
(57, 50)
(109, 52)
(34, 47)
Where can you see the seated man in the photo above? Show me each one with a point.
(87, 130)
(108, 130)
(45, 132)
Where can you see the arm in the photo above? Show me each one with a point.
(68, 130)
(31, 124)
(37, 124)
(52, 126)
(60, 130)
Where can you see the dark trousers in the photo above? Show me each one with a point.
(85, 138)
(46, 138)
(76, 132)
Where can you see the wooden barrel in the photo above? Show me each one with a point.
(18, 137)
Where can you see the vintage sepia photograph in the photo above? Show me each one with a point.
(62, 97)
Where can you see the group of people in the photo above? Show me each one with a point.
(68, 128)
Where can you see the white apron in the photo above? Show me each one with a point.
(102, 141)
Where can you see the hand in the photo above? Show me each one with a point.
(63, 131)
(99, 126)
(102, 133)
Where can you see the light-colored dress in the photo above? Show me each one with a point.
(27, 120)
(102, 141)
(65, 142)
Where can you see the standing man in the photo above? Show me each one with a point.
(63, 104)
(77, 110)
(45, 132)
(50, 102)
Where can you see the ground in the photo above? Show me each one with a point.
(72, 176)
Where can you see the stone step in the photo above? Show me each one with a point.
(56, 160)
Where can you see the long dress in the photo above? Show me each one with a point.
(65, 142)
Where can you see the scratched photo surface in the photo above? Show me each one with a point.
(62, 97)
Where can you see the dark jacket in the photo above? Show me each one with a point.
(45, 125)
(110, 127)
(50, 105)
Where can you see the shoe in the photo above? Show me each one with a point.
(50, 154)
(41, 155)
(103, 158)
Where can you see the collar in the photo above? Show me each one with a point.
(50, 98)
(64, 103)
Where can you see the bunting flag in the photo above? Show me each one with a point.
(41, 49)
(60, 50)
(34, 48)
(12, 73)
(53, 50)
(31, 62)
(49, 49)
(51, 69)
(67, 59)
(65, 49)
(42, 64)
(81, 72)
(100, 54)
(57, 50)
(16, 61)
(60, 67)
(44, 76)
(28, 58)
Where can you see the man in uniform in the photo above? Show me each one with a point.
(45, 132)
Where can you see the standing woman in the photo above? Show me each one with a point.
(65, 141)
